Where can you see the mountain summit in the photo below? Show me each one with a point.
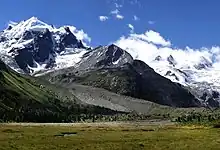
(32, 45)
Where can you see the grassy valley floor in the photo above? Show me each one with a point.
(108, 136)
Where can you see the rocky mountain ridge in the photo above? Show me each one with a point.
(32, 45)
(35, 48)
(114, 69)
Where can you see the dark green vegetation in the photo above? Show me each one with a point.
(198, 118)
(23, 98)
(109, 137)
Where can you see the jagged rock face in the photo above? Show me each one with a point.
(32, 43)
(2, 65)
(69, 40)
(9, 28)
(2, 39)
(39, 50)
(171, 60)
(105, 56)
(203, 64)
(211, 98)
(208, 94)
(169, 73)
(162, 90)
(134, 79)
(215, 94)
(213, 103)
(28, 35)
(158, 58)
(43, 46)
(25, 59)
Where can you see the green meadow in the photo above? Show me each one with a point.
(110, 136)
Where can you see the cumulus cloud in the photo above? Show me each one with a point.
(149, 45)
(131, 27)
(118, 16)
(103, 18)
(80, 34)
(153, 37)
(12, 23)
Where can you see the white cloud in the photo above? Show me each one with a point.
(153, 37)
(80, 34)
(118, 5)
(145, 47)
(136, 18)
(151, 22)
(120, 17)
(115, 12)
(103, 18)
(12, 23)
(131, 27)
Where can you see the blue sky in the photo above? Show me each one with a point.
(193, 23)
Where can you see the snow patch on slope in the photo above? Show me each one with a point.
(11, 39)
(28, 25)
(68, 60)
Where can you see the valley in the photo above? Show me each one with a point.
(56, 93)
(109, 75)
(50, 74)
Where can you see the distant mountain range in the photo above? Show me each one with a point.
(38, 49)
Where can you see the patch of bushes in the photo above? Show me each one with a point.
(199, 118)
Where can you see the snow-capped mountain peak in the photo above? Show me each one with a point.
(32, 24)
(32, 45)
(203, 63)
